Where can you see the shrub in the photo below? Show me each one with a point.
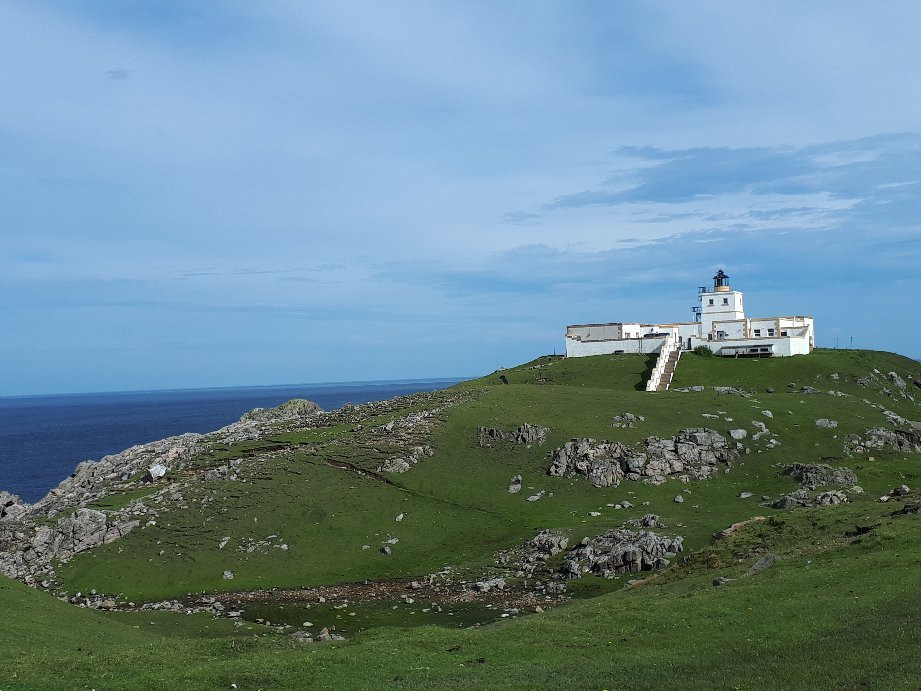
(703, 351)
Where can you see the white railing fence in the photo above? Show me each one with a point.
(670, 345)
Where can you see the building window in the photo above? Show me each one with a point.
(770, 332)
(725, 301)
(711, 301)
(720, 335)
(757, 332)
(783, 333)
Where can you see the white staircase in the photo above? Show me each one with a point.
(666, 363)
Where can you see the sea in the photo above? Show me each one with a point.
(43, 438)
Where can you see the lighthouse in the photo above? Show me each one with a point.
(720, 325)
(720, 307)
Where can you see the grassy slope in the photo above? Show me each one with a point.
(458, 512)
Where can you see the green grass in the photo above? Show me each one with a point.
(852, 604)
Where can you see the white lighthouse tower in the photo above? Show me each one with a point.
(720, 307)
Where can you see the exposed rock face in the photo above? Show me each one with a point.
(621, 551)
(295, 408)
(525, 434)
(601, 463)
(906, 441)
(814, 475)
(530, 434)
(82, 530)
(11, 507)
(695, 453)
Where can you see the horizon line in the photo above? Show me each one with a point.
(359, 382)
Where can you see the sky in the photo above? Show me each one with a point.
(200, 194)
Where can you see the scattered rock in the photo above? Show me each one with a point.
(767, 413)
(763, 564)
(155, 472)
(679, 499)
(525, 434)
(228, 575)
(831, 498)
(730, 391)
(814, 475)
(514, 486)
(733, 529)
(745, 495)
(722, 580)
(897, 380)
(491, 584)
(826, 424)
(626, 420)
(894, 418)
(738, 434)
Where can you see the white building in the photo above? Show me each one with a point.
(720, 325)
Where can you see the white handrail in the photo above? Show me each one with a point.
(667, 348)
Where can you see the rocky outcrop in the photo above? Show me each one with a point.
(12, 507)
(621, 551)
(693, 453)
(403, 463)
(92, 480)
(527, 434)
(548, 543)
(814, 475)
(296, 408)
(879, 438)
(78, 532)
(802, 498)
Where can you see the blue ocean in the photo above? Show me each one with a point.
(43, 438)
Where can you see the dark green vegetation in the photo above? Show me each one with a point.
(840, 609)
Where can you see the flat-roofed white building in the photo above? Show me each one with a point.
(720, 324)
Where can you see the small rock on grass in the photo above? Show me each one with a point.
(763, 564)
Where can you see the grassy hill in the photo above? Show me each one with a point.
(838, 609)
